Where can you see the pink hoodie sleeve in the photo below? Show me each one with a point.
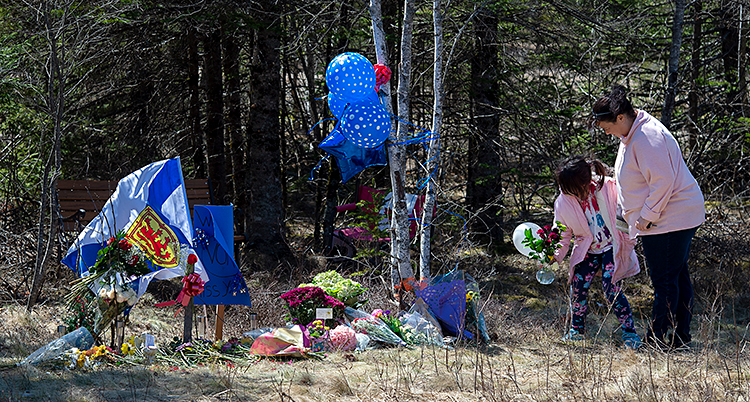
(566, 237)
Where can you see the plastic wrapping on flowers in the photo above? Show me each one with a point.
(377, 330)
(342, 338)
(420, 331)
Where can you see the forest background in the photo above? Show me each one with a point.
(98, 89)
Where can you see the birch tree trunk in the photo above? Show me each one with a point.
(674, 62)
(432, 155)
(401, 271)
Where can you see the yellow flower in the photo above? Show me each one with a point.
(126, 349)
(81, 360)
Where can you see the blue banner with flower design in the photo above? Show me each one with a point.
(214, 244)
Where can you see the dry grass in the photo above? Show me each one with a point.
(524, 361)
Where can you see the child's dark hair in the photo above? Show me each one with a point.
(609, 106)
(574, 175)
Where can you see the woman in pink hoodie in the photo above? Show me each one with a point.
(587, 208)
(663, 206)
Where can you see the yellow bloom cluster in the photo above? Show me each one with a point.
(87, 358)
(470, 296)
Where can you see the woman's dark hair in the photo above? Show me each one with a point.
(609, 106)
(574, 175)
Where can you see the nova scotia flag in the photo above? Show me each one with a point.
(159, 186)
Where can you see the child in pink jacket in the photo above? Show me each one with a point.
(588, 209)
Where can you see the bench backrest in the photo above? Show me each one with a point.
(91, 195)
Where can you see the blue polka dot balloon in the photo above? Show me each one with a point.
(337, 105)
(350, 76)
(366, 124)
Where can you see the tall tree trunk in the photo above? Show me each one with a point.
(193, 74)
(484, 183)
(730, 45)
(233, 123)
(49, 210)
(674, 63)
(215, 116)
(695, 71)
(264, 215)
(433, 154)
(742, 59)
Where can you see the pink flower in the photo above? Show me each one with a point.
(342, 338)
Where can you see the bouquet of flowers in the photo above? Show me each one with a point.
(418, 330)
(377, 330)
(303, 301)
(338, 287)
(543, 247)
(391, 321)
(79, 359)
(318, 332)
(342, 338)
(117, 266)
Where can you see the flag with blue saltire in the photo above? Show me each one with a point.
(150, 206)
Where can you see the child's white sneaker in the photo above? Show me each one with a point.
(572, 336)
(631, 340)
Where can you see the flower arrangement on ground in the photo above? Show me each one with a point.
(342, 338)
(303, 302)
(318, 332)
(544, 247)
(79, 359)
(377, 330)
(202, 351)
(338, 287)
(392, 321)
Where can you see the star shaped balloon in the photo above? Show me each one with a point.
(352, 159)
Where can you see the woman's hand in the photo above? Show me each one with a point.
(642, 224)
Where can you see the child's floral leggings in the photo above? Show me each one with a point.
(581, 283)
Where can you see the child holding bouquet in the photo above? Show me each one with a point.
(587, 206)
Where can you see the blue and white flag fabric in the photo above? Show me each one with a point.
(150, 205)
(215, 249)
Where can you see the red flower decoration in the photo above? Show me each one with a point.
(124, 245)
(110, 241)
(192, 259)
(382, 75)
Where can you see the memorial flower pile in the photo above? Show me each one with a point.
(302, 304)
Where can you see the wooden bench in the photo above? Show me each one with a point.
(81, 200)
